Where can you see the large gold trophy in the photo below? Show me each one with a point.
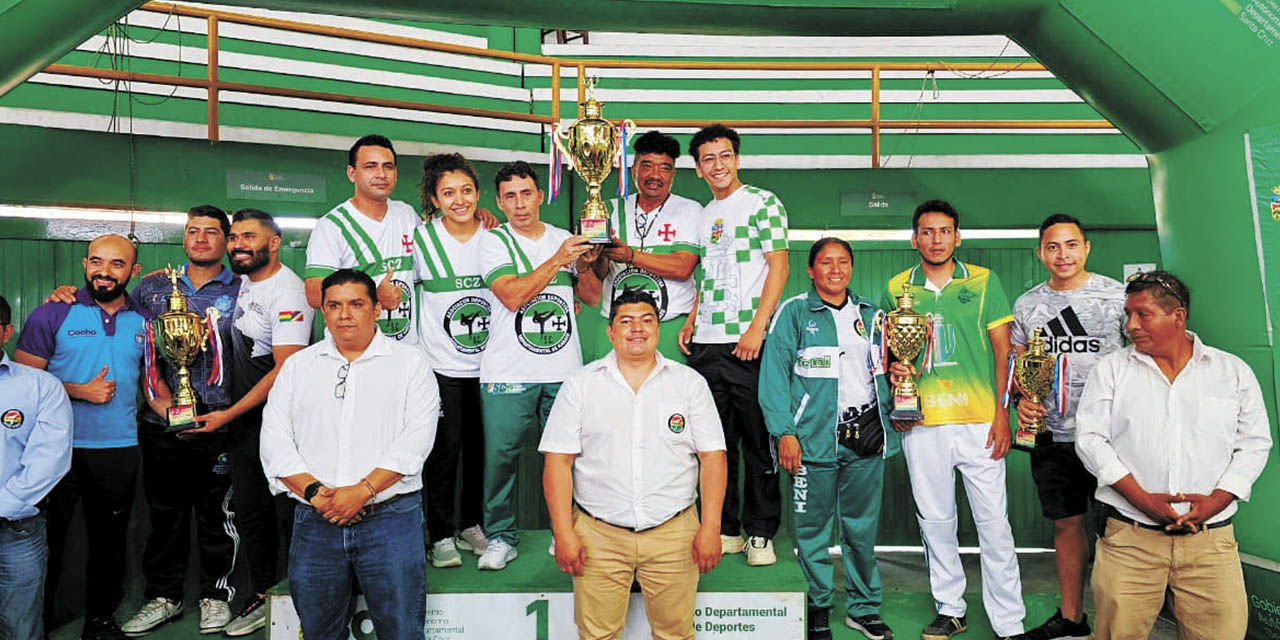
(907, 330)
(1034, 371)
(591, 143)
(180, 336)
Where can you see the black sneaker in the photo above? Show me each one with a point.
(1060, 628)
(819, 624)
(870, 626)
(943, 627)
(103, 628)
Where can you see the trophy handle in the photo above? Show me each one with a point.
(560, 137)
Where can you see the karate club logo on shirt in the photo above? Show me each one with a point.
(543, 324)
(675, 423)
(637, 279)
(395, 323)
(12, 419)
(467, 324)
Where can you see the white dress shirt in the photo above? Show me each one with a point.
(637, 463)
(386, 416)
(1206, 430)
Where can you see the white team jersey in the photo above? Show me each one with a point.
(273, 312)
(454, 308)
(669, 228)
(538, 342)
(735, 233)
(347, 239)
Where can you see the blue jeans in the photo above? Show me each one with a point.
(23, 553)
(386, 554)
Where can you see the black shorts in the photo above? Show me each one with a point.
(1064, 485)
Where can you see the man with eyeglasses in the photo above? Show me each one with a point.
(743, 269)
(1176, 432)
(656, 245)
(346, 430)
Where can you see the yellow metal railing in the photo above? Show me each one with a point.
(213, 84)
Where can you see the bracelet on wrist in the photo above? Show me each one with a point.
(372, 493)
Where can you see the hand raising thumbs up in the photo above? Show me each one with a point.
(99, 390)
(388, 293)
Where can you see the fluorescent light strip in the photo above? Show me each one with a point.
(893, 235)
(176, 218)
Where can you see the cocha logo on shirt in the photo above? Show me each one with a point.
(82, 333)
(467, 324)
(637, 279)
(543, 324)
(12, 419)
(675, 423)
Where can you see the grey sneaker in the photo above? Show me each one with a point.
(472, 539)
(444, 553)
(943, 627)
(496, 555)
(252, 617)
(153, 613)
(214, 615)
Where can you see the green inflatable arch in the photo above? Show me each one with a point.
(1192, 82)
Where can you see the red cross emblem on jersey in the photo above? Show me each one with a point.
(666, 232)
(406, 242)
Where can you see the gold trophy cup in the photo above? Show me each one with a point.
(180, 336)
(907, 331)
(1034, 371)
(591, 143)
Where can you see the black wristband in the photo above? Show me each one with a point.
(311, 490)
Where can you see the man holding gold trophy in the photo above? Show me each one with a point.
(1081, 315)
(962, 426)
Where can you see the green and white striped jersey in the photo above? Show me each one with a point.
(735, 233)
(344, 238)
(538, 342)
(454, 310)
(669, 228)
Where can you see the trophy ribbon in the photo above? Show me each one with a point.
(622, 159)
(215, 345)
(555, 167)
(1008, 383)
(1060, 384)
(149, 359)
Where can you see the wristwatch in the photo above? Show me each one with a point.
(311, 491)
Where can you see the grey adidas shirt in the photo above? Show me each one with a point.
(1085, 323)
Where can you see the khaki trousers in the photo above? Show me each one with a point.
(1134, 566)
(660, 559)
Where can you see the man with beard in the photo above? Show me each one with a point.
(182, 475)
(272, 322)
(95, 347)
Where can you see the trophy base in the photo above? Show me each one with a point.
(1025, 439)
(181, 418)
(596, 231)
(906, 408)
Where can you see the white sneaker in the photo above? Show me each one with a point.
(551, 548)
(153, 613)
(252, 617)
(444, 553)
(760, 552)
(496, 555)
(214, 615)
(472, 539)
(731, 544)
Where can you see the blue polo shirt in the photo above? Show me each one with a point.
(35, 414)
(78, 340)
(218, 293)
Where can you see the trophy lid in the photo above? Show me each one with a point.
(592, 108)
(1036, 345)
(176, 301)
(906, 300)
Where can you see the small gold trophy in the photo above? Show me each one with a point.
(180, 336)
(591, 143)
(1034, 371)
(907, 330)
